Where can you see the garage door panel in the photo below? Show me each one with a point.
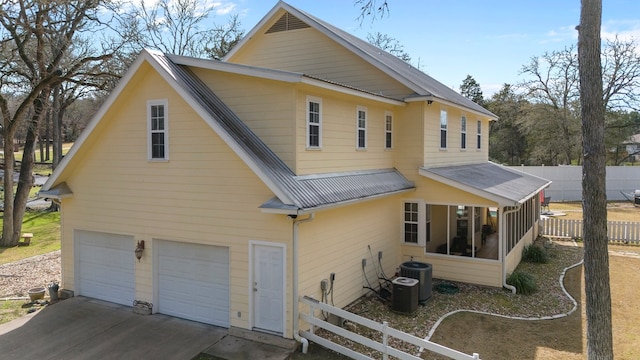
(105, 266)
(193, 282)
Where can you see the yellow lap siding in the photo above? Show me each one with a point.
(310, 52)
(204, 194)
(337, 241)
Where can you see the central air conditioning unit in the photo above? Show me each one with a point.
(421, 272)
(405, 295)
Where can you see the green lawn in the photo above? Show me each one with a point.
(45, 227)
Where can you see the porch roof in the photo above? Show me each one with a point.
(505, 186)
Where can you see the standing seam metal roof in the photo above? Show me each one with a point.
(305, 191)
(511, 186)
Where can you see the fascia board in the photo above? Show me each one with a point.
(95, 120)
(448, 103)
(502, 201)
(271, 74)
(348, 91)
(237, 149)
(254, 30)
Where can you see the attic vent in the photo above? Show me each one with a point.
(287, 22)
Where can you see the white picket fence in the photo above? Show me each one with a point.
(381, 346)
(617, 231)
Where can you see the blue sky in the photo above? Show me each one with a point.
(490, 39)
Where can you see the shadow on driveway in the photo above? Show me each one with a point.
(82, 328)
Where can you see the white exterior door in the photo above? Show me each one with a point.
(193, 281)
(105, 266)
(268, 287)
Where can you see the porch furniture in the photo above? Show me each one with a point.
(26, 239)
(545, 203)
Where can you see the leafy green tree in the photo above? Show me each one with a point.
(507, 143)
(619, 127)
(471, 90)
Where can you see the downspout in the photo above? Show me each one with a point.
(294, 290)
(503, 247)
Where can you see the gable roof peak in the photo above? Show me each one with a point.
(409, 76)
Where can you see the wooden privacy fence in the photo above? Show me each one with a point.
(381, 346)
(617, 231)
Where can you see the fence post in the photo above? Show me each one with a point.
(385, 338)
(312, 311)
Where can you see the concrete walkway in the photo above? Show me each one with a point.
(82, 328)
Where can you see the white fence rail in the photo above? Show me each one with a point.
(617, 231)
(385, 333)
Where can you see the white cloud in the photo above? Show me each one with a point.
(561, 34)
(225, 8)
(625, 30)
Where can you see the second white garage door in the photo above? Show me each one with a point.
(193, 282)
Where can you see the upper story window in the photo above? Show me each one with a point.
(388, 130)
(361, 128)
(158, 130)
(479, 136)
(443, 129)
(314, 122)
(463, 133)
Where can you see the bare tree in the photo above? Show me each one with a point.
(389, 44)
(553, 83)
(37, 40)
(594, 199)
(621, 74)
(371, 8)
(224, 38)
(184, 27)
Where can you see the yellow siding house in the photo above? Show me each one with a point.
(307, 162)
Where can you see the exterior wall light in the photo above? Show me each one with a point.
(139, 249)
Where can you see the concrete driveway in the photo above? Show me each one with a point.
(83, 328)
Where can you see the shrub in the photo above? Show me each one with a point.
(535, 254)
(524, 282)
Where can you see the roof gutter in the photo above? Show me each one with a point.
(503, 246)
(294, 287)
(311, 210)
(432, 98)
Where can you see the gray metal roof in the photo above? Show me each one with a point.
(59, 191)
(421, 83)
(299, 192)
(506, 186)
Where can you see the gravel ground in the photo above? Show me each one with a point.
(549, 300)
(38, 271)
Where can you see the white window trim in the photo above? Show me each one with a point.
(165, 103)
(445, 129)
(463, 131)
(387, 131)
(358, 128)
(422, 224)
(308, 123)
(479, 135)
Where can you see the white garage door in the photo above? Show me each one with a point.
(193, 282)
(105, 266)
